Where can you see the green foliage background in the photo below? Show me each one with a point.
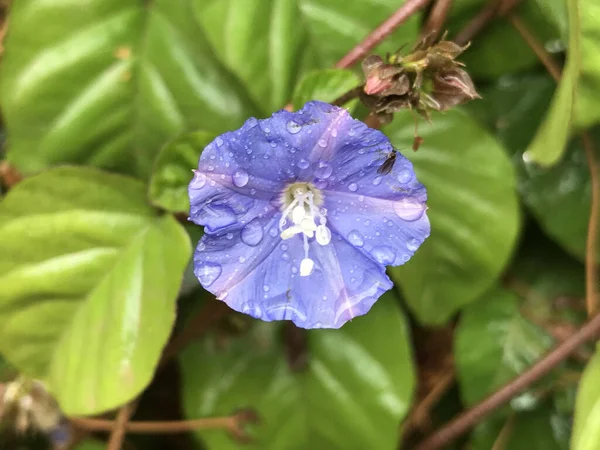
(107, 105)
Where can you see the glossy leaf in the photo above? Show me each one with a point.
(325, 85)
(357, 387)
(586, 429)
(552, 136)
(473, 210)
(493, 344)
(88, 282)
(110, 83)
(541, 429)
(559, 197)
(173, 170)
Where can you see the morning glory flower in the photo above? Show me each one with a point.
(299, 224)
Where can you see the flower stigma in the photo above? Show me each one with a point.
(300, 203)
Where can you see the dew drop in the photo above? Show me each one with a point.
(352, 187)
(377, 181)
(246, 308)
(303, 164)
(322, 143)
(356, 238)
(229, 236)
(240, 178)
(273, 232)
(285, 256)
(384, 255)
(293, 127)
(404, 176)
(216, 216)
(208, 272)
(266, 288)
(351, 132)
(252, 233)
(273, 144)
(321, 184)
(219, 142)
(334, 133)
(412, 245)
(409, 209)
(323, 169)
(242, 259)
(199, 179)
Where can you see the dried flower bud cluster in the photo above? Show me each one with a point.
(428, 78)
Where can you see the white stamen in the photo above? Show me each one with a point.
(290, 232)
(323, 235)
(306, 267)
(298, 214)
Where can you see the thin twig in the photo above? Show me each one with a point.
(592, 276)
(469, 418)
(347, 96)
(403, 13)
(551, 66)
(420, 412)
(118, 433)
(488, 13)
(181, 426)
(437, 18)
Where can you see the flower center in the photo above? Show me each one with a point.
(300, 203)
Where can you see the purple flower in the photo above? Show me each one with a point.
(299, 225)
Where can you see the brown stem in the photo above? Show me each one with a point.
(469, 418)
(489, 12)
(346, 97)
(229, 422)
(118, 433)
(403, 13)
(592, 276)
(9, 175)
(437, 18)
(420, 413)
(551, 66)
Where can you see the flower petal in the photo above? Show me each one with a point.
(264, 281)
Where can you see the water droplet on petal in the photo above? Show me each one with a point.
(266, 288)
(352, 187)
(252, 233)
(351, 132)
(219, 142)
(323, 169)
(412, 245)
(384, 255)
(246, 308)
(409, 209)
(303, 164)
(356, 239)
(285, 256)
(208, 272)
(199, 179)
(216, 216)
(404, 176)
(293, 127)
(334, 133)
(377, 181)
(322, 143)
(242, 259)
(240, 178)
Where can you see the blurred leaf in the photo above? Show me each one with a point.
(559, 197)
(588, 102)
(173, 171)
(90, 444)
(552, 136)
(110, 83)
(493, 344)
(500, 49)
(260, 40)
(88, 282)
(6, 370)
(357, 388)
(541, 429)
(473, 210)
(325, 85)
(586, 428)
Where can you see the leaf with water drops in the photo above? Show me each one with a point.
(172, 172)
(88, 282)
(354, 393)
(473, 230)
(108, 84)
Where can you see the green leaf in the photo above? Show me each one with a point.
(493, 344)
(541, 429)
(90, 444)
(586, 429)
(553, 134)
(499, 49)
(559, 197)
(587, 102)
(325, 85)
(173, 171)
(357, 388)
(110, 83)
(473, 210)
(88, 283)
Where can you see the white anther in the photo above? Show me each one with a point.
(298, 214)
(306, 267)
(290, 232)
(323, 235)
